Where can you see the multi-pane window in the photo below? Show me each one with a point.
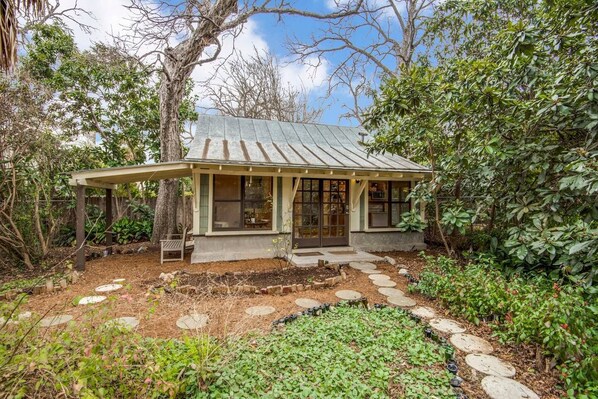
(387, 200)
(242, 202)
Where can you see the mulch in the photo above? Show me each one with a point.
(158, 314)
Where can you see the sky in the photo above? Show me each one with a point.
(263, 32)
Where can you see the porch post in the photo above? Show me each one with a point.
(80, 229)
(108, 211)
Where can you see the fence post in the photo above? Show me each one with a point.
(80, 231)
(108, 212)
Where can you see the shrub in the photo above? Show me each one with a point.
(107, 362)
(560, 319)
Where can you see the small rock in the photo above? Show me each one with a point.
(333, 266)
(308, 287)
(49, 285)
(274, 289)
(300, 287)
(167, 277)
(39, 289)
(330, 281)
(390, 260)
(343, 275)
(403, 272)
(287, 289)
(128, 251)
(319, 284)
(263, 291)
(220, 289)
(62, 283)
(74, 277)
(142, 249)
(24, 315)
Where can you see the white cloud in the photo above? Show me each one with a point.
(107, 17)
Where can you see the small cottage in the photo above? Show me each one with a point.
(257, 180)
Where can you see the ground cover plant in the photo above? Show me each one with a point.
(347, 352)
(561, 320)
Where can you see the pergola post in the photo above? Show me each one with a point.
(108, 212)
(80, 229)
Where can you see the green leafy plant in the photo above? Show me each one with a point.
(561, 319)
(411, 221)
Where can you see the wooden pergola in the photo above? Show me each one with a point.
(108, 179)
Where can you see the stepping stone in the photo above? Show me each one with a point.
(378, 277)
(347, 294)
(307, 303)
(119, 280)
(401, 301)
(193, 321)
(362, 265)
(506, 388)
(423, 311)
(390, 291)
(123, 322)
(24, 315)
(371, 271)
(88, 300)
(447, 326)
(471, 344)
(260, 310)
(490, 365)
(51, 321)
(384, 283)
(109, 287)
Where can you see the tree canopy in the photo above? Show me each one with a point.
(506, 115)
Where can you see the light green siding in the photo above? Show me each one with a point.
(204, 202)
(279, 204)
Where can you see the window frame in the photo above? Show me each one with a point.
(388, 202)
(242, 202)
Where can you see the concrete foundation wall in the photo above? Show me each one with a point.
(235, 247)
(387, 241)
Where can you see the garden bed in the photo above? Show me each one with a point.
(273, 281)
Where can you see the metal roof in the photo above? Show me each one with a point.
(243, 141)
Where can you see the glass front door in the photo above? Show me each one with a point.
(321, 213)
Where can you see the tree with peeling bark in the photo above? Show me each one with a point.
(253, 87)
(374, 43)
(180, 37)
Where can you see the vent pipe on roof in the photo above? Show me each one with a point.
(363, 135)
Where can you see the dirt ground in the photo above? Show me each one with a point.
(158, 314)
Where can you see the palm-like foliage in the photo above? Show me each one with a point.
(9, 10)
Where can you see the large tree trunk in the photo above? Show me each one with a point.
(172, 89)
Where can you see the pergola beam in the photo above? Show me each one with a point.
(80, 228)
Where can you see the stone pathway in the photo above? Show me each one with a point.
(57, 320)
(193, 321)
(402, 301)
(347, 294)
(371, 271)
(384, 283)
(260, 310)
(89, 300)
(506, 388)
(375, 277)
(362, 265)
(307, 303)
(447, 326)
(496, 384)
(108, 288)
(489, 365)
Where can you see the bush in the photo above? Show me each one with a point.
(560, 319)
(107, 362)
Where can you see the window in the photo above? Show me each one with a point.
(387, 200)
(242, 202)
